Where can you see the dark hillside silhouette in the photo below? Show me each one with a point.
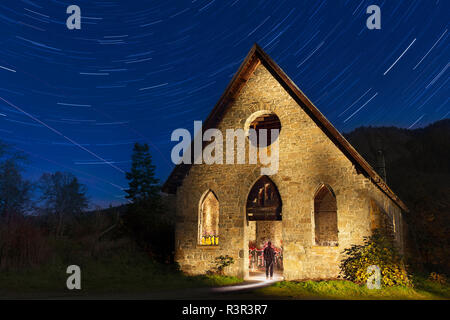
(418, 170)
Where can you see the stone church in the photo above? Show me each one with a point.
(324, 197)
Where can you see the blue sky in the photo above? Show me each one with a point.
(77, 100)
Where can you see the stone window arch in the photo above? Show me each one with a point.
(325, 217)
(208, 222)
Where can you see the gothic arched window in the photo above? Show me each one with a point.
(325, 217)
(209, 220)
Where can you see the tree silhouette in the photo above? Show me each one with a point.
(142, 182)
(15, 191)
(63, 197)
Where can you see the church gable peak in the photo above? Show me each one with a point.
(255, 58)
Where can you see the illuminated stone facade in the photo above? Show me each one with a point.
(308, 161)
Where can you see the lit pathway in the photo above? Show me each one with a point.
(253, 282)
(242, 291)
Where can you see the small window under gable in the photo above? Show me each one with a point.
(268, 122)
(325, 217)
(209, 220)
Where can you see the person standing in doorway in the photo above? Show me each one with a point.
(269, 257)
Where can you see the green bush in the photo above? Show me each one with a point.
(222, 262)
(438, 278)
(148, 223)
(378, 249)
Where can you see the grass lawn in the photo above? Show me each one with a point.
(119, 274)
(341, 289)
(131, 273)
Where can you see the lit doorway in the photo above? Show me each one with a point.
(264, 218)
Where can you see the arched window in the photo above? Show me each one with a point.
(209, 220)
(325, 217)
(264, 120)
(264, 202)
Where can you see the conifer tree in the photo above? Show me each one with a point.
(142, 182)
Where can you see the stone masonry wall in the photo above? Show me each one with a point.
(307, 160)
(326, 229)
(269, 231)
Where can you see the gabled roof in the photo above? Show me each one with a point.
(253, 59)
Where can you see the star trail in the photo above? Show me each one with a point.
(77, 100)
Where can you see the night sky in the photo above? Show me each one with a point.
(77, 100)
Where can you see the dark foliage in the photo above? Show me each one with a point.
(63, 197)
(418, 170)
(22, 243)
(15, 192)
(149, 224)
(142, 182)
(147, 219)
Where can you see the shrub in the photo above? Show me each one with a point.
(378, 249)
(438, 278)
(150, 226)
(22, 244)
(222, 262)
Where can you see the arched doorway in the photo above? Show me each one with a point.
(264, 220)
